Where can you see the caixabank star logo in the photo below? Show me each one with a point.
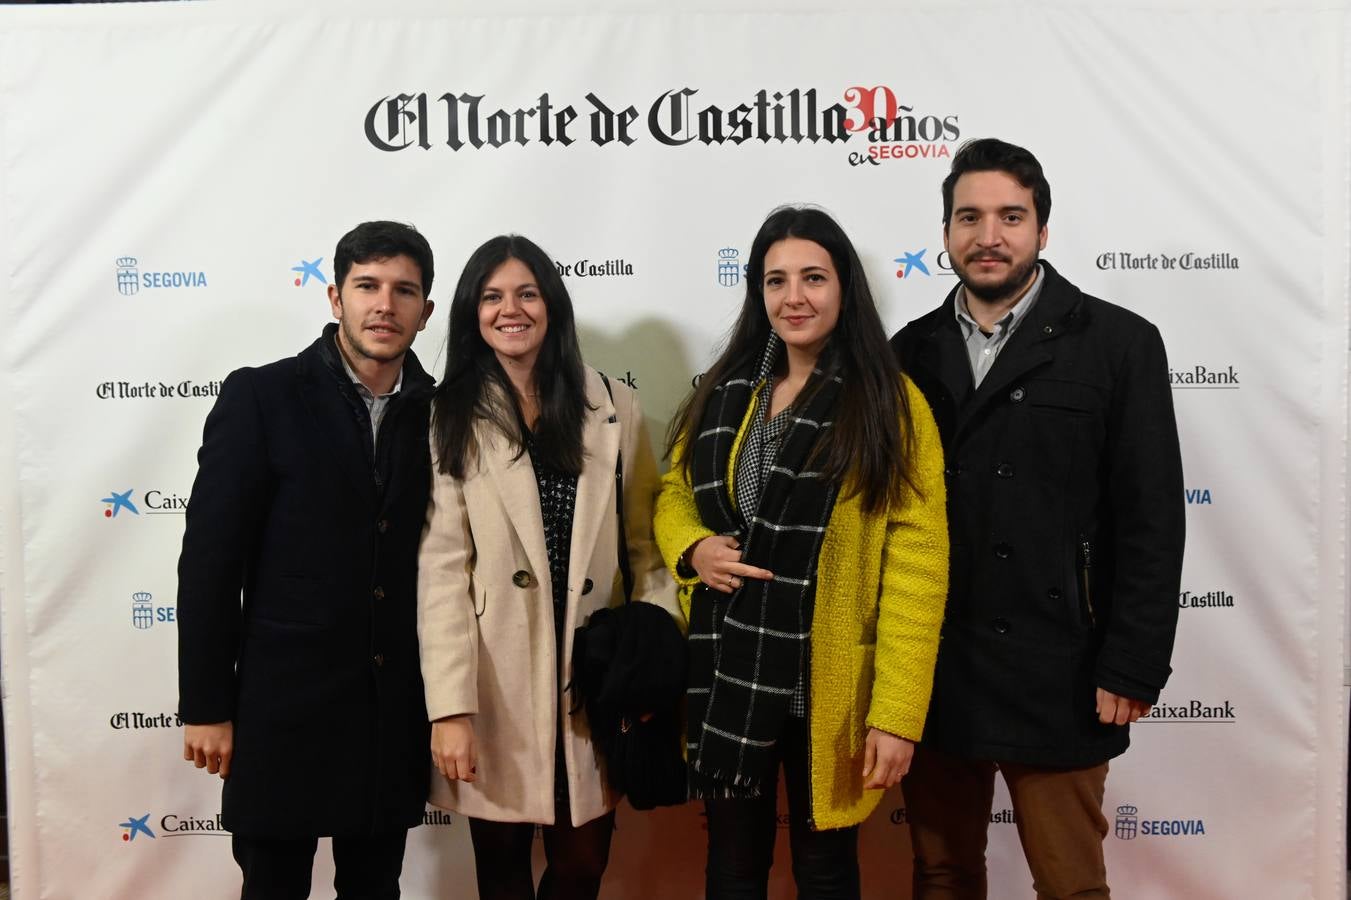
(156, 502)
(136, 825)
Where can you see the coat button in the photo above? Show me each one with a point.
(1017, 395)
(1004, 470)
(378, 659)
(1048, 329)
(521, 579)
(378, 593)
(1003, 551)
(1053, 594)
(587, 586)
(382, 526)
(1000, 625)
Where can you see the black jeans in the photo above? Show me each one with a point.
(741, 836)
(575, 858)
(364, 868)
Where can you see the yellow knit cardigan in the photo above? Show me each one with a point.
(882, 582)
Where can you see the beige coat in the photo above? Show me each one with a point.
(485, 611)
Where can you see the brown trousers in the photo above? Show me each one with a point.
(1060, 824)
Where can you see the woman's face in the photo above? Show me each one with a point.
(512, 317)
(802, 294)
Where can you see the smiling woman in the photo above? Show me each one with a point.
(521, 546)
(803, 518)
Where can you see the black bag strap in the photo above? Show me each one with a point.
(625, 571)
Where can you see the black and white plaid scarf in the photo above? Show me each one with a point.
(747, 649)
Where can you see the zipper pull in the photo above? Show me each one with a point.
(1086, 556)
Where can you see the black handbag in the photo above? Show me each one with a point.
(628, 672)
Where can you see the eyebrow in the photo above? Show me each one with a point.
(519, 287)
(1013, 207)
(811, 268)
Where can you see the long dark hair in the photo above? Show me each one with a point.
(868, 450)
(475, 382)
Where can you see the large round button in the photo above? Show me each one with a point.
(1053, 594)
(521, 579)
(382, 526)
(587, 586)
(378, 593)
(1004, 470)
(1003, 551)
(1017, 395)
(378, 659)
(1000, 625)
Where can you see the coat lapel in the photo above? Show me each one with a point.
(1032, 346)
(519, 493)
(596, 485)
(334, 425)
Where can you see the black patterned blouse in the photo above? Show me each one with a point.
(557, 501)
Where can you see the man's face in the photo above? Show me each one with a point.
(380, 308)
(992, 237)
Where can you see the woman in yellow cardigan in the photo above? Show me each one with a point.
(804, 519)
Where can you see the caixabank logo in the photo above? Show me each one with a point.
(1205, 377)
(174, 825)
(132, 277)
(851, 116)
(156, 503)
(307, 270)
(917, 265)
(1130, 825)
(1193, 712)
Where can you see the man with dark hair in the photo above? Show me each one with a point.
(298, 653)
(1065, 510)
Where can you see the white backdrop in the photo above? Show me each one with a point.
(163, 167)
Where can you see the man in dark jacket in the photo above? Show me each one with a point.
(298, 650)
(1065, 506)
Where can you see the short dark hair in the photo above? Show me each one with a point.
(383, 240)
(994, 155)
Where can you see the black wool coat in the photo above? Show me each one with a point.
(316, 526)
(1066, 516)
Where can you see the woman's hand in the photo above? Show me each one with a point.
(717, 561)
(886, 758)
(454, 751)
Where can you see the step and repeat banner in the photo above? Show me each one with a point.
(173, 178)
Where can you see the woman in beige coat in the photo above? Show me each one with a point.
(520, 547)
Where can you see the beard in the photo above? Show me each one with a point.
(994, 292)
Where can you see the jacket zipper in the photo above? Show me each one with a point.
(1085, 571)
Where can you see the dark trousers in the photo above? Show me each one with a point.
(575, 858)
(741, 836)
(365, 868)
(1060, 825)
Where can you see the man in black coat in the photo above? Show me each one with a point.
(1065, 507)
(298, 650)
